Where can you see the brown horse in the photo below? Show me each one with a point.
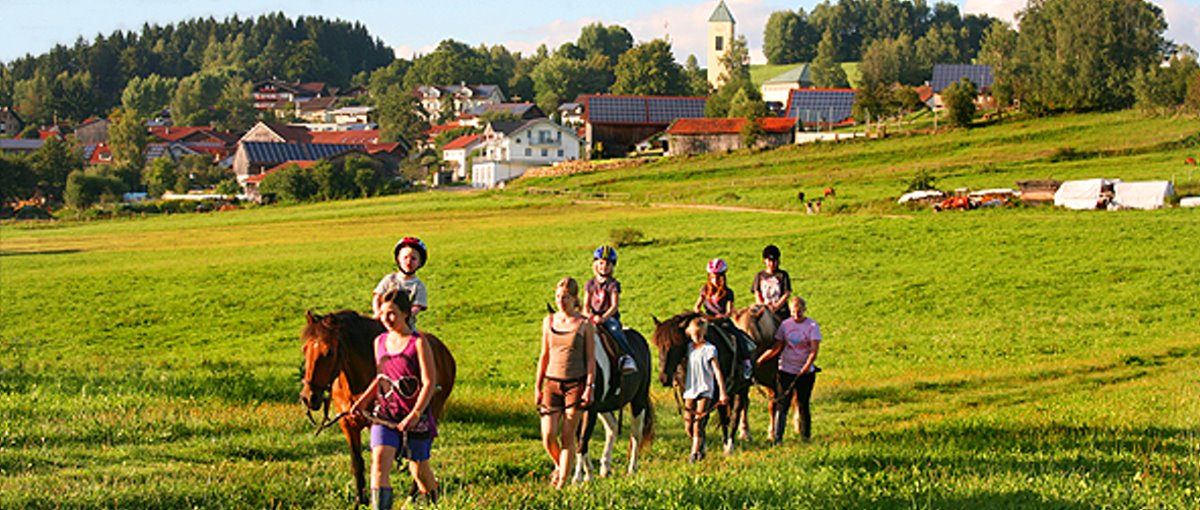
(672, 343)
(760, 326)
(339, 357)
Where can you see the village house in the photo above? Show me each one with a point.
(381, 161)
(821, 108)
(946, 74)
(571, 114)
(458, 153)
(93, 130)
(10, 122)
(700, 136)
(517, 111)
(353, 115)
(464, 98)
(20, 145)
(266, 145)
(778, 88)
(614, 125)
(273, 94)
(512, 147)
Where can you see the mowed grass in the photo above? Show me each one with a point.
(871, 174)
(993, 359)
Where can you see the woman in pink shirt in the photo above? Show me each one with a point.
(797, 342)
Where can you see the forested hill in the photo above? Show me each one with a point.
(87, 78)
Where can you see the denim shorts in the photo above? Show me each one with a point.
(413, 449)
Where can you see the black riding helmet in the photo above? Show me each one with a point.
(771, 252)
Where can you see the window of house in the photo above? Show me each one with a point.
(560, 153)
(545, 153)
(528, 152)
(720, 43)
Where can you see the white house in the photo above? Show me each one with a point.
(459, 151)
(511, 148)
(465, 98)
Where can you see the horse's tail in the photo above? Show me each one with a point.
(647, 425)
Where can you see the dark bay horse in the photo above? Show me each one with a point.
(672, 342)
(339, 357)
(614, 391)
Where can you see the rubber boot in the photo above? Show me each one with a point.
(381, 498)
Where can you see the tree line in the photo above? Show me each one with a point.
(72, 83)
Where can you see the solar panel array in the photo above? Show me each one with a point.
(643, 110)
(945, 74)
(266, 152)
(821, 106)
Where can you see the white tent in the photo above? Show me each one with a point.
(1142, 195)
(1080, 194)
(920, 195)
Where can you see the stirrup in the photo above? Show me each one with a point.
(628, 365)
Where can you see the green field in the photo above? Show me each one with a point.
(763, 72)
(1019, 358)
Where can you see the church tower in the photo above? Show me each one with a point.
(720, 36)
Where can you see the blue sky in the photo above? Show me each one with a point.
(33, 26)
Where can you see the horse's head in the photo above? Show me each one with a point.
(322, 363)
(670, 338)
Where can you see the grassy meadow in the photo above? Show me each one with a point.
(1014, 358)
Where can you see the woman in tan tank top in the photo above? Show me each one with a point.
(565, 375)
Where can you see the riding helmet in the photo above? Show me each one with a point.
(771, 252)
(607, 253)
(717, 266)
(415, 244)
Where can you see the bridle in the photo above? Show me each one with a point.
(318, 391)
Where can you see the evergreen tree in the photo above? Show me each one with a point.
(826, 72)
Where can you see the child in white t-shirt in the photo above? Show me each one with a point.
(703, 376)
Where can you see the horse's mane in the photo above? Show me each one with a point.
(670, 333)
(349, 324)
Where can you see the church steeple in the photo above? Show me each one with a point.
(720, 35)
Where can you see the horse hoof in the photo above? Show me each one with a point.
(729, 448)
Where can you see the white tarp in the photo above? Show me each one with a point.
(1142, 195)
(1079, 194)
(1190, 202)
(920, 195)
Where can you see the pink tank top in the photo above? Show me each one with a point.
(398, 393)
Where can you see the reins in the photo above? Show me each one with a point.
(338, 368)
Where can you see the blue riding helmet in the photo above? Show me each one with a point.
(607, 253)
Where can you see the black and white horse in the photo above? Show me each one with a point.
(613, 392)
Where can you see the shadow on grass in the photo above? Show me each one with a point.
(22, 253)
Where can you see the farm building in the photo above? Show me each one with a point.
(778, 89)
(613, 125)
(699, 136)
(946, 74)
(1038, 191)
(509, 148)
(821, 108)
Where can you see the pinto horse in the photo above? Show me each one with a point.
(339, 357)
(672, 342)
(614, 391)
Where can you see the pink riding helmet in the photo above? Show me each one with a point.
(717, 266)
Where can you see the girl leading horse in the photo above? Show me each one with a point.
(339, 358)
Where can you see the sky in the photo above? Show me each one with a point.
(416, 27)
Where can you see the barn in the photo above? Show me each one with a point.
(821, 108)
(613, 125)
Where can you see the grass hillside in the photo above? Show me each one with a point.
(763, 72)
(1023, 358)
(1124, 145)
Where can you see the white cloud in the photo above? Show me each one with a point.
(1183, 22)
(407, 52)
(1002, 9)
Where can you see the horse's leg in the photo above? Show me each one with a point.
(726, 415)
(583, 463)
(357, 468)
(610, 439)
(744, 420)
(636, 429)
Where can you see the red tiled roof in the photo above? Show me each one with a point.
(710, 126)
(376, 148)
(101, 155)
(433, 131)
(347, 137)
(301, 164)
(924, 92)
(461, 142)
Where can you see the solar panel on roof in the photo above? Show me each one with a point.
(666, 110)
(945, 74)
(643, 110)
(821, 106)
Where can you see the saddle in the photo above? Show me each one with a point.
(613, 351)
